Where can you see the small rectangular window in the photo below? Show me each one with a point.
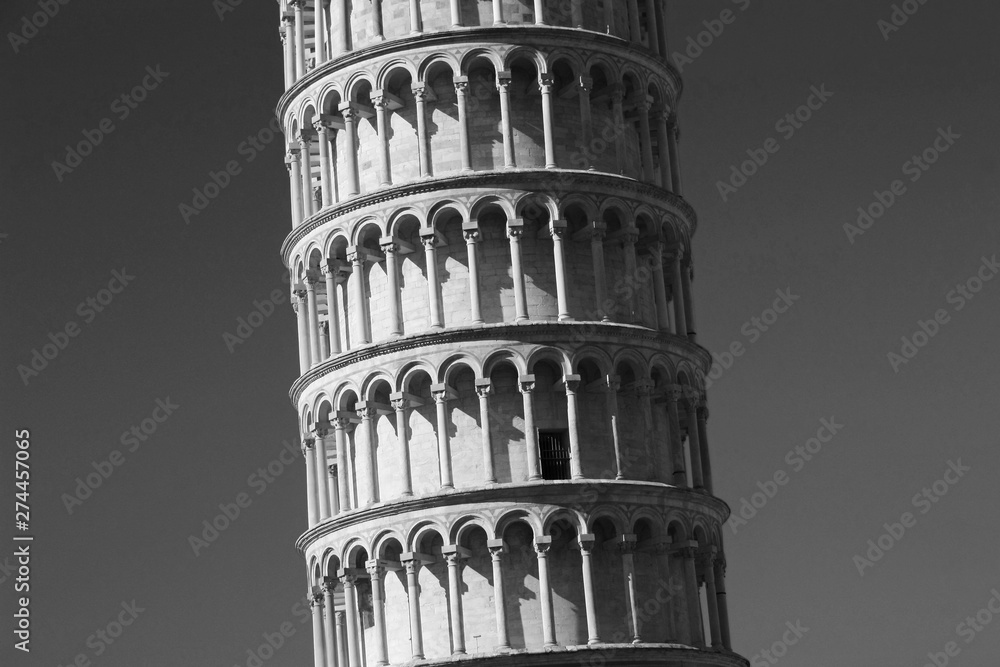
(554, 454)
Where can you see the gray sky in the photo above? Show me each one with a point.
(826, 357)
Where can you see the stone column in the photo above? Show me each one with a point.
(694, 446)
(376, 20)
(572, 383)
(675, 169)
(708, 568)
(644, 391)
(514, 231)
(329, 623)
(339, 25)
(429, 239)
(324, 340)
(399, 404)
(300, 38)
(461, 88)
(558, 231)
(326, 183)
(659, 288)
(662, 150)
(381, 104)
(423, 147)
(332, 309)
(471, 234)
(350, 115)
(626, 546)
(612, 386)
(498, 12)
(356, 256)
(674, 395)
(377, 571)
(391, 249)
(322, 489)
(319, 647)
(629, 239)
(576, 8)
(635, 33)
(315, 354)
(497, 549)
(688, 301)
(302, 322)
(367, 478)
(546, 82)
(412, 567)
(720, 596)
(586, 548)
(343, 461)
(663, 27)
(645, 139)
(483, 388)
(618, 116)
(351, 610)
(506, 122)
(295, 184)
(695, 622)
(456, 14)
(342, 655)
(600, 273)
(539, 12)
(652, 32)
(680, 319)
(584, 85)
(542, 546)
(288, 42)
(305, 158)
(307, 454)
(453, 556)
(527, 386)
(320, 15)
(706, 465)
(331, 482)
(414, 17)
(440, 394)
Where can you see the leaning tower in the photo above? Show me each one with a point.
(501, 397)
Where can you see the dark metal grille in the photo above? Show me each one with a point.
(554, 454)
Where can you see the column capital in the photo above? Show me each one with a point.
(644, 387)
(484, 387)
(316, 599)
(304, 140)
(616, 92)
(504, 79)
(471, 234)
(411, 565)
(542, 545)
(307, 444)
(419, 92)
(375, 568)
(340, 423)
(389, 245)
(572, 383)
(586, 542)
(356, 255)
(546, 81)
(399, 404)
(367, 412)
(703, 410)
(330, 584)
(380, 100)
(612, 383)
(585, 84)
(455, 554)
(626, 543)
(630, 236)
(526, 383)
(321, 432)
(429, 241)
(497, 548)
(461, 84)
(515, 228)
(348, 110)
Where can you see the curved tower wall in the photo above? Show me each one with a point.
(501, 395)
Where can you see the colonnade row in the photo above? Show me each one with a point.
(343, 470)
(315, 31)
(662, 280)
(323, 153)
(604, 587)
